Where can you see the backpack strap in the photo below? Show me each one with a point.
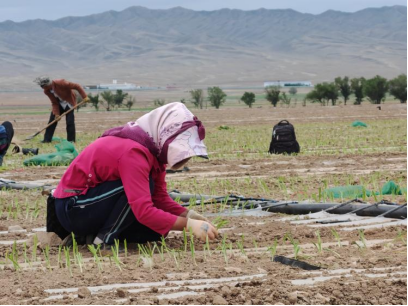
(283, 122)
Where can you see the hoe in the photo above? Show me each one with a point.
(59, 118)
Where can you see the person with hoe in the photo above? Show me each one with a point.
(63, 98)
(115, 188)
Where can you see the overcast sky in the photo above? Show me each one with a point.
(20, 10)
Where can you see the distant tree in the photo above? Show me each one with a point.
(331, 92)
(109, 99)
(119, 97)
(94, 100)
(344, 87)
(159, 102)
(317, 95)
(78, 99)
(272, 94)
(130, 101)
(285, 99)
(197, 97)
(248, 98)
(398, 88)
(376, 89)
(216, 96)
(323, 93)
(183, 101)
(357, 88)
(293, 91)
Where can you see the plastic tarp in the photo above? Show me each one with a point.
(358, 191)
(64, 155)
(358, 124)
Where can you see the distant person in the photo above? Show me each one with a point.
(62, 96)
(6, 136)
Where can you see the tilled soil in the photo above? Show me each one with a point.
(349, 274)
(368, 269)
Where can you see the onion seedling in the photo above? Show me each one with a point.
(67, 260)
(35, 245)
(400, 236)
(125, 246)
(362, 238)
(318, 244)
(94, 252)
(336, 236)
(13, 261)
(46, 252)
(219, 222)
(192, 248)
(273, 247)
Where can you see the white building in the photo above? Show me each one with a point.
(289, 84)
(115, 86)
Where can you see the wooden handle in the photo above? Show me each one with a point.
(64, 114)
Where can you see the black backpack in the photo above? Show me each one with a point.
(284, 139)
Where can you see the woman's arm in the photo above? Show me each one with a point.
(161, 198)
(134, 168)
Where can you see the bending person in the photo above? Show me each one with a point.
(62, 96)
(116, 187)
(6, 136)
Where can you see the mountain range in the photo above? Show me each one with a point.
(200, 48)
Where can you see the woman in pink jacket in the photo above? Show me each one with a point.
(116, 187)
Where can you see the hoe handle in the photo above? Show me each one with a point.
(59, 118)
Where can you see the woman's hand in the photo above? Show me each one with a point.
(196, 216)
(202, 229)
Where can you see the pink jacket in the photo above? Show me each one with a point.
(111, 158)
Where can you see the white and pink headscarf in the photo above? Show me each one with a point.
(171, 133)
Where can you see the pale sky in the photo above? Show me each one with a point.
(20, 10)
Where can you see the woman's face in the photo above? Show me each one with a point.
(180, 164)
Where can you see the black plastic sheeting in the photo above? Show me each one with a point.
(373, 211)
(295, 208)
(9, 184)
(294, 263)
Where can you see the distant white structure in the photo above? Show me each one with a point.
(289, 84)
(115, 86)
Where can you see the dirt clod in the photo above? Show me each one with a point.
(44, 239)
(121, 293)
(219, 300)
(84, 292)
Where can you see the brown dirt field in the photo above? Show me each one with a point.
(351, 273)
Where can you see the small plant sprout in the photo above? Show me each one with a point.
(207, 244)
(401, 236)
(192, 248)
(94, 252)
(273, 247)
(125, 246)
(35, 245)
(318, 244)
(46, 252)
(295, 244)
(336, 236)
(241, 247)
(26, 259)
(115, 253)
(362, 238)
(67, 260)
(220, 223)
(146, 255)
(185, 240)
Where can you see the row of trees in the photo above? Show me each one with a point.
(216, 97)
(112, 100)
(374, 89)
